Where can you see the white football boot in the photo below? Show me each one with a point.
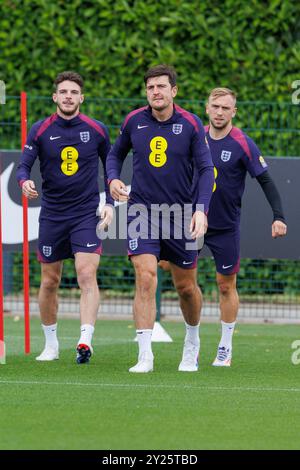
(144, 364)
(189, 362)
(50, 353)
(223, 358)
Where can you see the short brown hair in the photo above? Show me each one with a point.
(216, 92)
(68, 75)
(162, 69)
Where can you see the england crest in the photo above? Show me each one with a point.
(177, 128)
(85, 136)
(47, 251)
(225, 156)
(133, 244)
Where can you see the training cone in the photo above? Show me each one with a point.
(159, 334)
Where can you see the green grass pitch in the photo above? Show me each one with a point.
(255, 404)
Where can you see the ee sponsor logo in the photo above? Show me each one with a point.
(158, 156)
(69, 156)
(215, 175)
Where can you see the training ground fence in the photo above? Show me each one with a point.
(273, 126)
(269, 288)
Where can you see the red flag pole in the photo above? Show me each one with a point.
(25, 233)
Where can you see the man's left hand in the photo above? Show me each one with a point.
(279, 229)
(106, 215)
(198, 225)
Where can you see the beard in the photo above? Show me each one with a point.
(219, 126)
(159, 107)
(69, 111)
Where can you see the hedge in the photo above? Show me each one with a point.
(253, 46)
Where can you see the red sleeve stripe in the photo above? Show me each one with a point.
(188, 116)
(239, 137)
(92, 123)
(136, 111)
(45, 125)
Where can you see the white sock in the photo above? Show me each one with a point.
(227, 333)
(86, 335)
(192, 333)
(144, 341)
(50, 336)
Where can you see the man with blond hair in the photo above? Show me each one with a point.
(234, 154)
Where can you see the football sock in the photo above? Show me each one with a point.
(227, 333)
(86, 335)
(50, 335)
(192, 333)
(144, 341)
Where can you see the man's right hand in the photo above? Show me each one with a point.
(118, 190)
(28, 189)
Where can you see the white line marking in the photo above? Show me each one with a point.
(85, 384)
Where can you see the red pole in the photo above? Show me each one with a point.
(25, 233)
(1, 273)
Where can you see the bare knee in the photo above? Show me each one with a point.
(146, 276)
(186, 290)
(86, 276)
(146, 280)
(226, 287)
(50, 282)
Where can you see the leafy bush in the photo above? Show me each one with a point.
(253, 46)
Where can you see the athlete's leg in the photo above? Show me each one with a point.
(48, 303)
(86, 265)
(144, 308)
(229, 305)
(225, 247)
(145, 267)
(86, 247)
(190, 297)
(228, 297)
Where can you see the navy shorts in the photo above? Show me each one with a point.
(225, 248)
(61, 240)
(154, 240)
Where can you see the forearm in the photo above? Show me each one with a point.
(205, 187)
(115, 159)
(113, 167)
(23, 171)
(272, 195)
(108, 198)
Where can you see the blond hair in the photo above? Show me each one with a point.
(217, 92)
